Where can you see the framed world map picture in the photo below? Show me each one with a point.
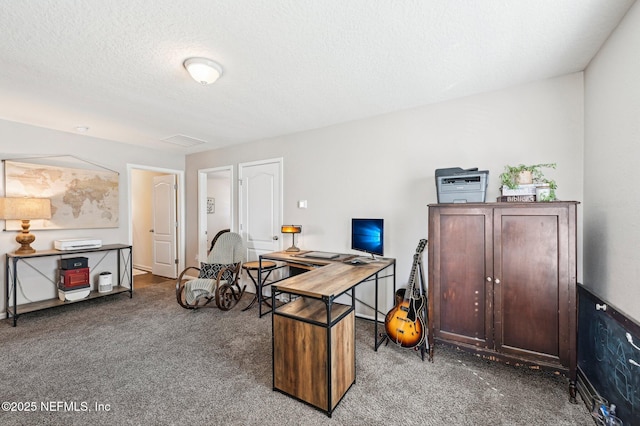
(80, 198)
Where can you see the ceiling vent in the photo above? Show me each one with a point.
(182, 140)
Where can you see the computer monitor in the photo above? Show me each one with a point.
(367, 235)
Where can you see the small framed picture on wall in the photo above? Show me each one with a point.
(211, 205)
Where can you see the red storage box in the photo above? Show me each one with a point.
(71, 279)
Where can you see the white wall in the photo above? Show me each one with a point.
(612, 152)
(384, 166)
(22, 141)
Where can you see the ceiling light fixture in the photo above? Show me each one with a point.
(203, 70)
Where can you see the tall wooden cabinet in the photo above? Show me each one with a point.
(502, 281)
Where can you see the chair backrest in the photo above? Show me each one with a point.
(229, 248)
(215, 239)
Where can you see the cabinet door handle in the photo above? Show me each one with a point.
(489, 279)
(497, 281)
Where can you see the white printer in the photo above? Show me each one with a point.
(77, 244)
(456, 185)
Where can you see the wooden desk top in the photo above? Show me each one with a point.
(331, 279)
(297, 257)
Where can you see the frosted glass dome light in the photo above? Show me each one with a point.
(203, 70)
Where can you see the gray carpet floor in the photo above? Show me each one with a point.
(147, 361)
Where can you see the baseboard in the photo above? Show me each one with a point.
(142, 267)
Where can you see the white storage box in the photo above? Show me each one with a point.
(72, 295)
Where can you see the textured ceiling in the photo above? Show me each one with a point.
(289, 65)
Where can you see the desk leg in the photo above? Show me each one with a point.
(6, 287)
(15, 292)
(384, 338)
(375, 318)
(376, 343)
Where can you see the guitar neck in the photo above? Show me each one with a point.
(416, 261)
(412, 276)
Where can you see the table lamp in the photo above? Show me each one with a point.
(25, 209)
(293, 230)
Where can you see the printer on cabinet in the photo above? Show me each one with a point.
(456, 185)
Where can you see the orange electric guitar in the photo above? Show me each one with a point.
(404, 323)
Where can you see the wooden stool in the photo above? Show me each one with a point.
(267, 266)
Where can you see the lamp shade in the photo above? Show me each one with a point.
(203, 70)
(291, 229)
(25, 208)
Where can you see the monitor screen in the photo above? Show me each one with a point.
(368, 235)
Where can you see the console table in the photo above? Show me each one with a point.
(124, 277)
(313, 337)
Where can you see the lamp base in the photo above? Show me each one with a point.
(25, 238)
(25, 249)
(293, 248)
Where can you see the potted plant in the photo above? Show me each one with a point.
(513, 176)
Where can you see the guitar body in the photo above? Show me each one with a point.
(401, 329)
(404, 323)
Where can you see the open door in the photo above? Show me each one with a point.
(165, 225)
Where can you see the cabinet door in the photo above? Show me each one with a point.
(531, 270)
(460, 256)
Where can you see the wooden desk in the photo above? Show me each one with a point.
(327, 278)
(314, 337)
(291, 260)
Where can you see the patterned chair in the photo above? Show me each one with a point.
(218, 279)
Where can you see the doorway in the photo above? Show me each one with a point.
(215, 205)
(142, 215)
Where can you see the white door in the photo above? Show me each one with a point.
(164, 226)
(260, 206)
